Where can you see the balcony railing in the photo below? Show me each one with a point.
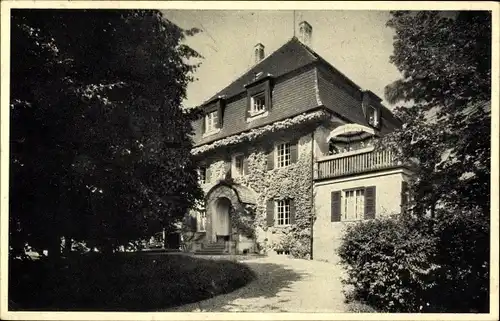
(354, 163)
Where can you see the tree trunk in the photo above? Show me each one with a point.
(55, 248)
(67, 246)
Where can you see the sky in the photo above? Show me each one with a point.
(357, 43)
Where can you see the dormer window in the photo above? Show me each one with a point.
(373, 116)
(258, 103)
(213, 116)
(211, 121)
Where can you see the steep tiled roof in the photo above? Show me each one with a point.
(289, 57)
(291, 95)
(304, 81)
(339, 101)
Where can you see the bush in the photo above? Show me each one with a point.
(387, 264)
(463, 253)
(426, 265)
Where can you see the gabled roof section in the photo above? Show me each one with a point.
(289, 57)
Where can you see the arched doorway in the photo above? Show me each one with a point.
(222, 219)
(225, 208)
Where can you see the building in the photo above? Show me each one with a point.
(286, 157)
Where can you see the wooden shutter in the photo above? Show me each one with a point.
(208, 173)
(269, 98)
(292, 212)
(336, 206)
(270, 213)
(293, 152)
(404, 195)
(245, 165)
(194, 223)
(203, 123)
(270, 159)
(227, 168)
(370, 196)
(220, 113)
(249, 104)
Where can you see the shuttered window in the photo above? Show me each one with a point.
(283, 212)
(202, 175)
(354, 204)
(283, 157)
(238, 165)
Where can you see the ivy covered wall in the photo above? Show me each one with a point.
(293, 181)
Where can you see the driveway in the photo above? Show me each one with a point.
(282, 285)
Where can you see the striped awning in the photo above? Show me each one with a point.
(350, 132)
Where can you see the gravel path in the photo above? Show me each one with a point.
(282, 285)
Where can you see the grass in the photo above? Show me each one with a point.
(121, 282)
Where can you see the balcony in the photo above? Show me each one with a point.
(354, 162)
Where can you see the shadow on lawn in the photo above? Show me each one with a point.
(272, 278)
(118, 282)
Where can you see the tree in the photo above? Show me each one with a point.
(100, 146)
(445, 62)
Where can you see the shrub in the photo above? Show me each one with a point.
(425, 265)
(463, 253)
(387, 264)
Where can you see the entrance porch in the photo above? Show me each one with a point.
(229, 217)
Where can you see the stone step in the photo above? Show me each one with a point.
(214, 246)
(211, 249)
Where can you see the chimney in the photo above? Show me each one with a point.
(258, 52)
(305, 33)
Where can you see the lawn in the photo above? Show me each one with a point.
(121, 282)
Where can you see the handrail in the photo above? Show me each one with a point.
(345, 164)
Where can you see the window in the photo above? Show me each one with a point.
(259, 100)
(258, 103)
(283, 212)
(238, 165)
(283, 155)
(211, 121)
(202, 175)
(354, 205)
(373, 116)
(202, 221)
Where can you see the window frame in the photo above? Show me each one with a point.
(284, 156)
(214, 121)
(234, 165)
(261, 87)
(359, 212)
(261, 96)
(202, 175)
(201, 216)
(286, 212)
(376, 116)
